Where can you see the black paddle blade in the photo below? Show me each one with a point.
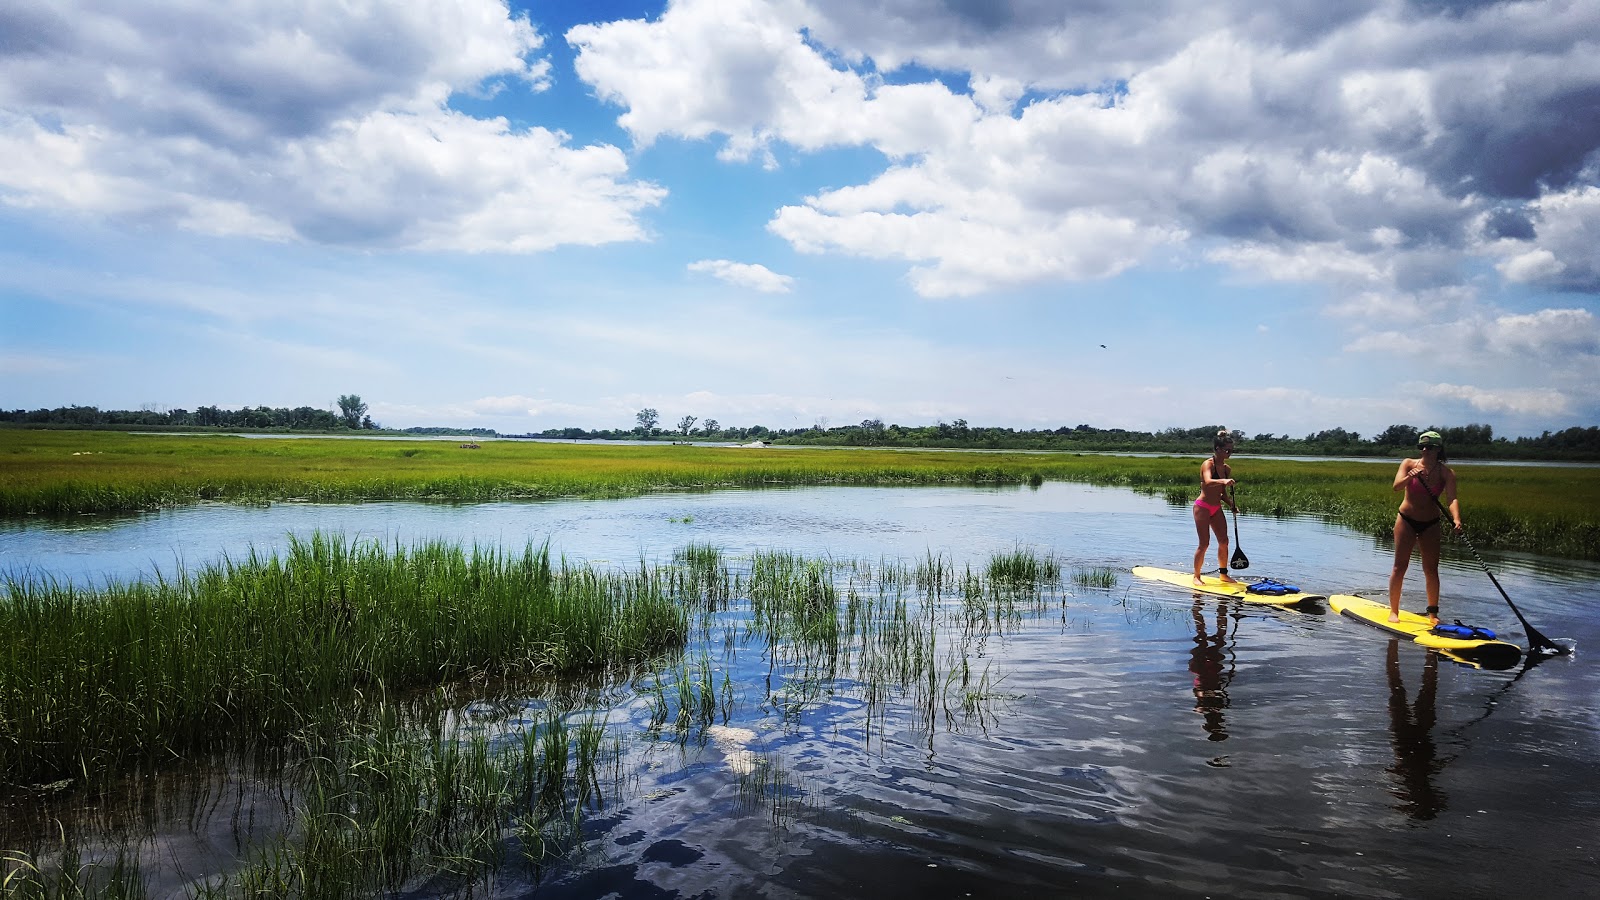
(1542, 644)
(1239, 561)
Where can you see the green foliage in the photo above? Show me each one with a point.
(1543, 509)
(352, 410)
(253, 651)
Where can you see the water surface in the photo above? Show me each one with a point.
(1136, 741)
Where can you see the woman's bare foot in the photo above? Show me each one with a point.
(1199, 582)
(1395, 618)
(1228, 579)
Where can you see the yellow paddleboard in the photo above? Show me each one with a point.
(1416, 628)
(1216, 587)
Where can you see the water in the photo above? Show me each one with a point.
(1137, 741)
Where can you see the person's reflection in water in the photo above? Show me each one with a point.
(1416, 758)
(1212, 669)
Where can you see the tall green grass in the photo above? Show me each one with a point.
(396, 801)
(1543, 509)
(250, 652)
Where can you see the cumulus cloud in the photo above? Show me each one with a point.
(1530, 401)
(321, 122)
(749, 275)
(1363, 144)
(1558, 246)
(1548, 332)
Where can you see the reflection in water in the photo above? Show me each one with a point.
(1411, 725)
(1212, 665)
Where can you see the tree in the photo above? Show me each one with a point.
(710, 426)
(647, 419)
(686, 425)
(1397, 436)
(1334, 436)
(351, 410)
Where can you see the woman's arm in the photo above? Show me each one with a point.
(1403, 474)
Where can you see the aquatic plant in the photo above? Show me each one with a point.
(1103, 577)
(250, 652)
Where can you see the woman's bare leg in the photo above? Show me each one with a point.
(1219, 526)
(1202, 527)
(1430, 567)
(1404, 543)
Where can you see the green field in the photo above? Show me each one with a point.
(1548, 510)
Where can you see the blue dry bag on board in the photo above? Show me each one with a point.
(1271, 588)
(1463, 632)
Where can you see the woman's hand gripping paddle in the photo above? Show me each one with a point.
(1239, 560)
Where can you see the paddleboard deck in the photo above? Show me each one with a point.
(1216, 587)
(1416, 628)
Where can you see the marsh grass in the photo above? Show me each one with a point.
(250, 652)
(395, 683)
(771, 785)
(1543, 509)
(1101, 577)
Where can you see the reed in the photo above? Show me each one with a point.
(397, 782)
(1101, 577)
(394, 802)
(1543, 509)
(250, 652)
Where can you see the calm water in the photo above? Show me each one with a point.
(1138, 742)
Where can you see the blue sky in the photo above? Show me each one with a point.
(1279, 218)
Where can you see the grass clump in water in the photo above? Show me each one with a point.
(250, 653)
(1103, 577)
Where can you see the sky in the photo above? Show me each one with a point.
(1279, 218)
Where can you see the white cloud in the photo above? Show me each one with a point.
(1527, 402)
(1318, 144)
(325, 123)
(749, 275)
(1565, 251)
(1543, 334)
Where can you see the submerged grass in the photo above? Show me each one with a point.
(1553, 510)
(308, 653)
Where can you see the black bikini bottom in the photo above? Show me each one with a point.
(1418, 528)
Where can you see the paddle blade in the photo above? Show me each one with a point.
(1239, 561)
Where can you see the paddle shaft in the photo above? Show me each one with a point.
(1239, 560)
(1535, 638)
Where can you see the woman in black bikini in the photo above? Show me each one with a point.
(1422, 480)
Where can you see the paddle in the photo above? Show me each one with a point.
(1536, 640)
(1239, 560)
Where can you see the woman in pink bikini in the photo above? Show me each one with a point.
(1423, 479)
(1215, 480)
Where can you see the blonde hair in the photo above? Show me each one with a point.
(1224, 438)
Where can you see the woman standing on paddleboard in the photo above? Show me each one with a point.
(1428, 484)
(1215, 479)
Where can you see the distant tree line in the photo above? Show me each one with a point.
(352, 414)
(1462, 442)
